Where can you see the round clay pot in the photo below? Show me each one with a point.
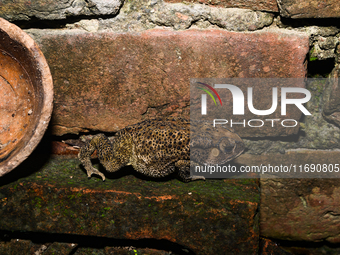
(26, 96)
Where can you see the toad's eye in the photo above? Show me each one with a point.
(226, 146)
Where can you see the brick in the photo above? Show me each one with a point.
(267, 5)
(297, 9)
(54, 10)
(331, 110)
(60, 148)
(204, 217)
(106, 81)
(299, 209)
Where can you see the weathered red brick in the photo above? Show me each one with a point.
(299, 209)
(60, 148)
(106, 81)
(309, 8)
(54, 10)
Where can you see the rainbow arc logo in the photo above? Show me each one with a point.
(209, 93)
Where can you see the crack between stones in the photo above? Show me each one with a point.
(331, 214)
(158, 108)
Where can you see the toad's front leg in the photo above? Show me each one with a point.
(105, 154)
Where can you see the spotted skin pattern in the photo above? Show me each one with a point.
(159, 147)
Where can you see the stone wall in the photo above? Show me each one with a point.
(116, 63)
(107, 56)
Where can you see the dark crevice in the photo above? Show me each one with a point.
(320, 68)
(76, 136)
(321, 22)
(31, 165)
(305, 247)
(37, 23)
(96, 242)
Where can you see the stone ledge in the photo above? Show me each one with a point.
(21, 246)
(54, 10)
(206, 217)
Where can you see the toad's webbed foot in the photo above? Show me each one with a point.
(87, 150)
(93, 170)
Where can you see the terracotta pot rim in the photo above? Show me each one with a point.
(16, 34)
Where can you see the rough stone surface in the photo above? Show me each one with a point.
(204, 217)
(323, 48)
(331, 111)
(314, 32)
(299, 209)
(106, 81)
(54, 10)
(104, 246)
(60, 248)
(267, 5)
(20, 246)
(309, 8)
(16, 246)
(139, 15)
(181, 16)
(313, 248)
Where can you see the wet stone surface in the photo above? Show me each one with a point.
(204, 217)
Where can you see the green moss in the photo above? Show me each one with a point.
(93, 207)
(311, 57)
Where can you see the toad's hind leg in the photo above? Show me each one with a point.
(155, 171)
(184, 171)
(105, 155)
